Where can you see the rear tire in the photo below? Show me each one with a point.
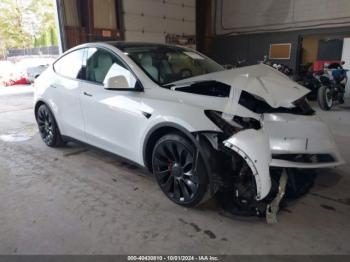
(48, 127)
(324, 98)
(182, 179)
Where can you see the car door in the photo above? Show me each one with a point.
(65, 94)
(113, 116)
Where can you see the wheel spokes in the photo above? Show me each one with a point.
(174, 169)
(189, 183)
(168, 185)
(177, 192)
(184, 191)
(45, 125)
(168, 152)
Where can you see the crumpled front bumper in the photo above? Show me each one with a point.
(282, 139)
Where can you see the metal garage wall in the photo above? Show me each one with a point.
(249, 16)
(346, 58)
(244, 29)
(152, 20)
(253, 47)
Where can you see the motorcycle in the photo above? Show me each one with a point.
(308, 79)
(280, 67)
(333, 80)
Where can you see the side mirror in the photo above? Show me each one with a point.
(117, 82)
(120, 83)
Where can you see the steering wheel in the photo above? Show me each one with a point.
(185, 73)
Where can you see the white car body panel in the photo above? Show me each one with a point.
(63, 96)
(34, 72)
(115, 120)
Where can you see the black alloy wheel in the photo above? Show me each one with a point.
(180, 173)
(48, 128)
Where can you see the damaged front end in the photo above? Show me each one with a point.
(258, 162)
(240, 160)
(243, 175)
(262, 160)
(269, 137)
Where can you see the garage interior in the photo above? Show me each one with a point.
(79, 200)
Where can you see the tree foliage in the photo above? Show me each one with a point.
(27, 23)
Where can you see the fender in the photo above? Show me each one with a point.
(253, 145)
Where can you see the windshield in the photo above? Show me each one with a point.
(166, 64)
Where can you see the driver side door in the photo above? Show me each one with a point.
(113, 116)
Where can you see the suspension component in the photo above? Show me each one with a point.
(273, 207)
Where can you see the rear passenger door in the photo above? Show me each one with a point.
(65, 93)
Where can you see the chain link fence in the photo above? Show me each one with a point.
(37, 51)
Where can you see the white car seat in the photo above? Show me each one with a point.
(147, 65)
(104, 63)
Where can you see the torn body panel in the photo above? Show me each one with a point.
(259, 80)
(253, 146)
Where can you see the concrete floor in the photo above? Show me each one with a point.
(76, 200)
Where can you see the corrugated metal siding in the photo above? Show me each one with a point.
(249, 16)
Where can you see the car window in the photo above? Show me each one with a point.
(166, 64)
(70, 65)
(102, 65)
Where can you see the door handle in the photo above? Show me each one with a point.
(52, 86)
(87, 94)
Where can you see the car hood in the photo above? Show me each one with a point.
(260, 80)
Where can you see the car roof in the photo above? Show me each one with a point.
(123, 44)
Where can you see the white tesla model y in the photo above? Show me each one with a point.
(197, 127)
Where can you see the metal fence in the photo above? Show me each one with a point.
(49, 50)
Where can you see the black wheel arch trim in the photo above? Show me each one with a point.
(43, 102)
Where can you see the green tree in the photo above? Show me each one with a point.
(12, 24)
(27, 23)
(45, 26)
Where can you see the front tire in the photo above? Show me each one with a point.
(48, 128)
(324, 98)
(181, 175)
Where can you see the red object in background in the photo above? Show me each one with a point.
(319, 64)
(21, 81)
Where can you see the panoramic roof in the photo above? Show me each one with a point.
(122, 45)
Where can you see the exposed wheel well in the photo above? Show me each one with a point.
(154, 137)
